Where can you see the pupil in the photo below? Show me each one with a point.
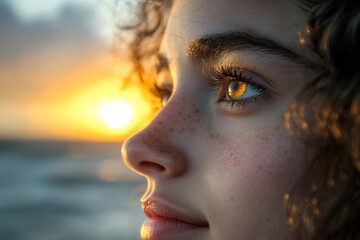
(234, 86)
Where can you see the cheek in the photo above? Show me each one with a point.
(271, 161)
(270, 156)
(249, 177)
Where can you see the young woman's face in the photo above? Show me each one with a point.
(217, 157)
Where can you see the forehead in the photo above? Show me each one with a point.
(281, 20)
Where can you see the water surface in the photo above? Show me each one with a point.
(67, 191)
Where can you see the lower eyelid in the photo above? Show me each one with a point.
(235, 106)
(247, 104)
(218, 79)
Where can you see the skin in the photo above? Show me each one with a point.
(227, 167)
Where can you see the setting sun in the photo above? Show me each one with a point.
(117, 114)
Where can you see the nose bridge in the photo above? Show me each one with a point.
(160, 148)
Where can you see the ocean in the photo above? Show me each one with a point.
(67, 191)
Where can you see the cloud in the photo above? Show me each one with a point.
(7, 16)
(43, 54)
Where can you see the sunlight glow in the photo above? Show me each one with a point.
(99, 112)
(117, 114)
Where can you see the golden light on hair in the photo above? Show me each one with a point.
(301, 37)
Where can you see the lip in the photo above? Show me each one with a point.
(167, 222)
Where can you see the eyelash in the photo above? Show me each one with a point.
(219, 79)
(161, 92)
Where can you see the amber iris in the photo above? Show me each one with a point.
(236, 90)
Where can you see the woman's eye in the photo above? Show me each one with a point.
(164, 86)
(238, 90)
(165, 96)
(237, 87)
(162, 93)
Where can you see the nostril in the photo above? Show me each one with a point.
(151, 165)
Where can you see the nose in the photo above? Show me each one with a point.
(156, 151)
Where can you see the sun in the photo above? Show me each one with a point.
(117, 114)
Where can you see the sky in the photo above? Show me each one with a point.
(57, 69)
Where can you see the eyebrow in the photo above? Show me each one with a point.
(210, 47)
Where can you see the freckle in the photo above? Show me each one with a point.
(197, 111)
(220, 138)
(179, 113)
(232, 199)
(259, 167)
(268, 220)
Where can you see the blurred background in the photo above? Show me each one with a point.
(63, 118)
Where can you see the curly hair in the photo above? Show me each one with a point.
(146, 34)
(325, 202)
(327, 114)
